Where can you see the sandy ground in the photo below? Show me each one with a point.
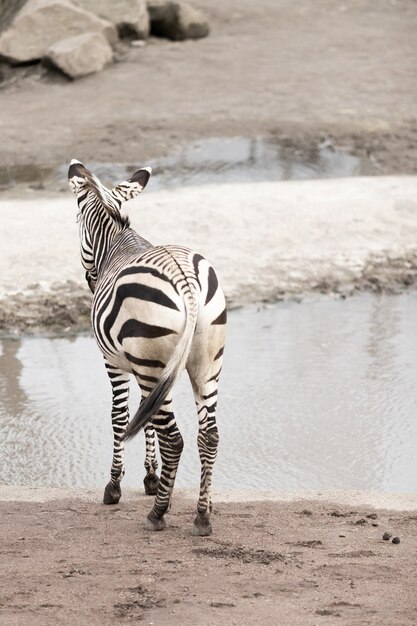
(268, 241)
(279, 561)
(296, 70)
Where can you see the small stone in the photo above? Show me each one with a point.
(176, 20)
(395, 540)
(386, 536)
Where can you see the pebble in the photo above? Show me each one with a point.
(395, 540)
(386, 536)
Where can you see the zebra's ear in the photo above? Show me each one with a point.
(131, 188)
(78, 175)
(80, 179)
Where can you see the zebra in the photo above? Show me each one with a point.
(156, 310)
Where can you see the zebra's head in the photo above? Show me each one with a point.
(100, 212)
(82, 181)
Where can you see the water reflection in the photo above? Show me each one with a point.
(213, 161)
(318, 395)
(249, 160)
(14, 398)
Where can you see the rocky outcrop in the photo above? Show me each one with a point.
(79, 55)
(176, 20)
(130, 17)
(62, 32)
(41, 23)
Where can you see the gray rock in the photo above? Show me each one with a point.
(176, 20)
(41, 23)
(129, 16)
(8, 9)
(79, 55)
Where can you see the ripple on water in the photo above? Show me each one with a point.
(317, 395)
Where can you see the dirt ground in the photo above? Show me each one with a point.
(297, 70)
(300, 563)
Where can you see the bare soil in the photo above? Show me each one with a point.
(296, 70)
(298, 563)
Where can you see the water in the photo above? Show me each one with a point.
(317, 395)
(210, 161)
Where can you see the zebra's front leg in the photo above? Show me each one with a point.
(170, 447)
(120, 417)
(151, 479)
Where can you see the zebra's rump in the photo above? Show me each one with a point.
(140, 305)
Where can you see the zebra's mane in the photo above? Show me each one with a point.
(103, 195)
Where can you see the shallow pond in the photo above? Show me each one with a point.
(211, 161)
(317, 395)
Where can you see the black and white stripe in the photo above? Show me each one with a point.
(156, 310)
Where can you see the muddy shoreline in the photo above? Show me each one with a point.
(307, 560)
(64, 309)
(378, 152)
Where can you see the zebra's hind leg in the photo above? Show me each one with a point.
(170, 447)
(207, 440)
(151, 479)
(120, 416)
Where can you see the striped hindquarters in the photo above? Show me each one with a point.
(144, 315)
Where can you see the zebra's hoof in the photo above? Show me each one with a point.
(112, 493)
(154, 523)
(150, 483)
(201, 527)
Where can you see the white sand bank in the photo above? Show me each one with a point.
(265, 239)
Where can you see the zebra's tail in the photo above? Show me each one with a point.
(153, 402)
